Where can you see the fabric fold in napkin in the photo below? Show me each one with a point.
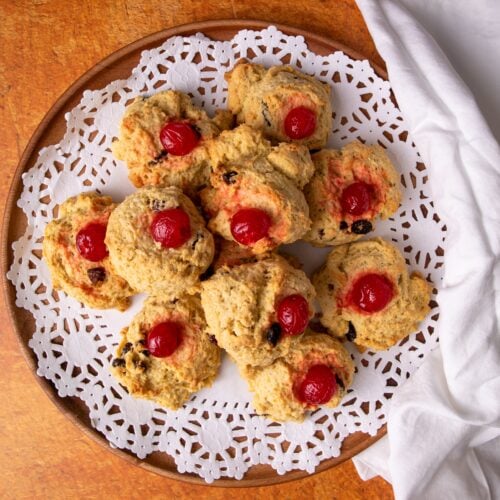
(444, 424)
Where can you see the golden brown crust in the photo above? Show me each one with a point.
(140, 148)
(256, 184)
(273, 385)
(71, 272)
(240, 307)
(378, 330)
(244, 143)
(169, 381)
(263, 97)
(230, 254)
(337, 169)
(146, 265)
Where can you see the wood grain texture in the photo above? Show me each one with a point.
(47, 45)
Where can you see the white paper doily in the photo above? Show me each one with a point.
(216, 434)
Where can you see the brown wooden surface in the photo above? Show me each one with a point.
(44, 42)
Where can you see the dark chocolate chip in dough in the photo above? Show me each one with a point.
(207, 274)
(96, 275)
(361, 227)
(158, 205)
(126, 348)
(339, 381)
(351, 333)
(228, 177)
(343, 225)
(331, 287)
(158, 158)
(265, 114)
(212, 339)
(118, 362)
(273, 334)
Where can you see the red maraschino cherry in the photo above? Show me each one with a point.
(90, 242)
(164, 339)
(371, 292)
(293, 314)
(179, 138)
(250, 225)
(171, 228)
(318, 387)
(356, 199)
(300, 123)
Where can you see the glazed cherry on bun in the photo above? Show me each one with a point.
(164, 339)
(356, 198)
(171, 228)
(318, 386)
(250, 225)
(90, 242)
(300, 123)
(179, 138)
(371, 293)
(293, 314)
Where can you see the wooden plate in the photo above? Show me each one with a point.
(50, 131)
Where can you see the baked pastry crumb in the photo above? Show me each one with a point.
(266, 201)
(242, 308)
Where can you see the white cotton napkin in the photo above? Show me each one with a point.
(444, 423)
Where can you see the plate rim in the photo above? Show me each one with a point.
(15, 188)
